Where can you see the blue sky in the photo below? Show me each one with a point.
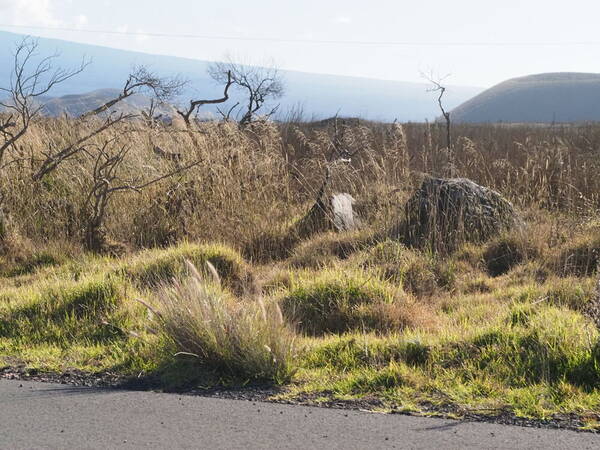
(535, 36)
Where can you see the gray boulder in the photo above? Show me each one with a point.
(443, 213)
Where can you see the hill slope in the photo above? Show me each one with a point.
(320, 95)
(541, 98)
(76, 104)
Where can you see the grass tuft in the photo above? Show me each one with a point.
(336, 301)
(232, 337)
(155, 267)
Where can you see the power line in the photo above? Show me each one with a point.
(311, 41)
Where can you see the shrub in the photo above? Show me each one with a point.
(244, 339)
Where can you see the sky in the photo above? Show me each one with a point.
(474, 42)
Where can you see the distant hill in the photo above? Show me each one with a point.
(320, 96)
(76, 104)
(543, 98)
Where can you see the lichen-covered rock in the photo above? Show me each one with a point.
(444, 213)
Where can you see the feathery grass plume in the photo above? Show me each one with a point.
(231, 336)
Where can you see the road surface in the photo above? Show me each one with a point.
(40, 415)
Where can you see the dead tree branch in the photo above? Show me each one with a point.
(142, 80)
(227, 115)
(440, 88)
(196, 104)
(52, 160)
(106, 182)
(260, 85)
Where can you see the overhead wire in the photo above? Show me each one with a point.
(308, 41)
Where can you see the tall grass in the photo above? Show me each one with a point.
(253, 184)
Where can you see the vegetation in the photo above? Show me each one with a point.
(492, 327)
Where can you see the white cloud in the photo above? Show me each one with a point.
(29, 12)
(342, 19)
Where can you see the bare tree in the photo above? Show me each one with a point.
(143, 80)
(260, 84)
(29, 81)
(196, 104)
(106, 182)
(440, 89)
(31, 78)
(151, 116)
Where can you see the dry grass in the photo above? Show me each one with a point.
(253, 184)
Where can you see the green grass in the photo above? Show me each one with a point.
(84, 314)
(534, 364)
(154, 267)
(449, 337)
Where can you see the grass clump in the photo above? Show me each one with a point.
(328, 248)
(351, 351)
(64, 312)
(30, 264)
(548, 345)
(419, 273)
(228, 336)
(508, 251)
(335, 301)
(570, 292)
(155, 267)
(580, 257)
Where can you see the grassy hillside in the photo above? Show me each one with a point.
(500, 328)
(543, 98)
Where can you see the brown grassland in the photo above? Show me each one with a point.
(493, 327)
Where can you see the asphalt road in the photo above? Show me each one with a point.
(40, 415)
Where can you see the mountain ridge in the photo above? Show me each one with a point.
(321, 95)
